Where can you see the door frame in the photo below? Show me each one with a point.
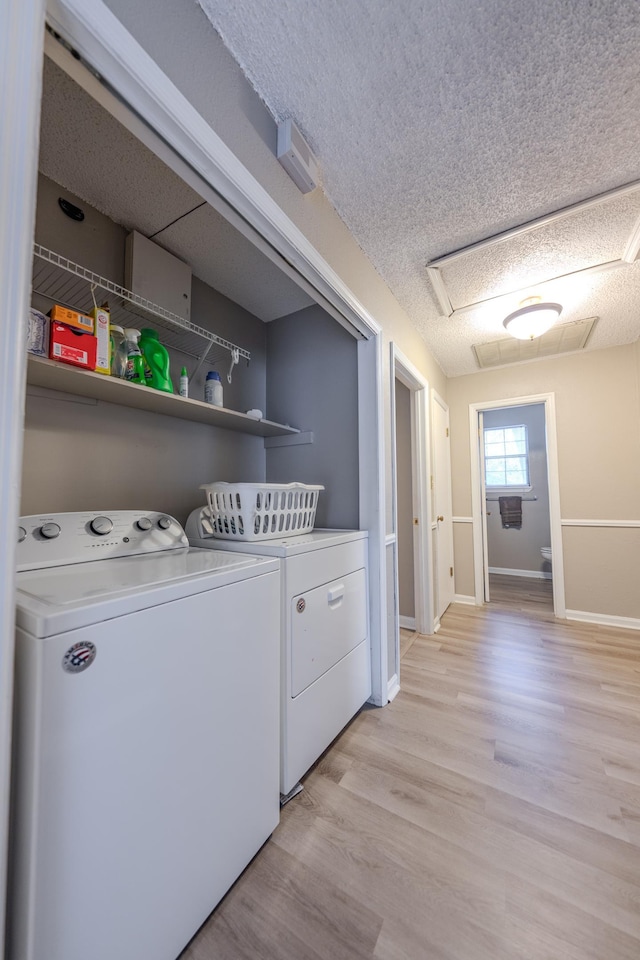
(21, 38)
(401, 368)
(436, 399)
(553, 477)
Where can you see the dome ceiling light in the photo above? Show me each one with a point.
(532, 319)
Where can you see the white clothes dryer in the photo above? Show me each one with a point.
(146, 733)
(326, 656)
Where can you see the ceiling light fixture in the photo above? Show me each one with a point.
(532, 319)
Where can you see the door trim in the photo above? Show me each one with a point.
(402, 369)
(441, 402)
(21, 35)
(553, 475)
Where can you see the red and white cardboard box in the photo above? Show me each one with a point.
(72, 346)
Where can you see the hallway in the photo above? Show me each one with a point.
(491, 812)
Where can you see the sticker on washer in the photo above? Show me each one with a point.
(300, 605)
(79, 657)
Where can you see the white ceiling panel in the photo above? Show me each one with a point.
(563, 338)
(86, 150)
(582, 239)
(221, 257)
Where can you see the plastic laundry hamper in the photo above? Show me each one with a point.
(261, 511)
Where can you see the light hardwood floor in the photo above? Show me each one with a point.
(491, 812)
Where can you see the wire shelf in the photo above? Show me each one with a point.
(62, 281)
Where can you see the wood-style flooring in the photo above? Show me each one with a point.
(491, 812)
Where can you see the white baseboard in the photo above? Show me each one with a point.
(407, 623)
(604, 619)
(534, 574)
(461, 598)
(393, 687)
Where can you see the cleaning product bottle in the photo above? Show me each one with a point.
(184, 382)
(156, 358)
(101, 321)
(118, 351)
(135, 361)
(213, 389)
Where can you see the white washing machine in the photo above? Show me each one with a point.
(146, 733)
(326, 657)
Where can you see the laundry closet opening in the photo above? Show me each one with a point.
(518, 535)
(104, 176)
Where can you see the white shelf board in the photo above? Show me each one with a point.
(85, 383)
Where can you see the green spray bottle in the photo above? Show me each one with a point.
(135, 360)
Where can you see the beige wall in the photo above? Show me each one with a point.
(463, 557)
(598, 414)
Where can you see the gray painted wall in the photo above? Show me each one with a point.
(312, 383)
(404, 487)
(510, 548)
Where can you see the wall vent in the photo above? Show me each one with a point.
(296, 157)
(563, 338)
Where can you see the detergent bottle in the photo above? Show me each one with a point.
(118, 351)
(156, 358)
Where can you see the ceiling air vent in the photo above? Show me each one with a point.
(563, 338)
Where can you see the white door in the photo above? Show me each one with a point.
(442, 504)
(483, 505)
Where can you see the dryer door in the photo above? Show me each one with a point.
(326, 623)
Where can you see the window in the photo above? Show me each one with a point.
(506, 457)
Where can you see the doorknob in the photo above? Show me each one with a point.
(439, 519)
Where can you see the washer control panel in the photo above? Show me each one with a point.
(55, 539)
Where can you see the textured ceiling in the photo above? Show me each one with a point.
(440, 123)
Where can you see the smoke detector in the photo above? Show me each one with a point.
(296, 157)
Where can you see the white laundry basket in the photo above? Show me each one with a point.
(261, 511)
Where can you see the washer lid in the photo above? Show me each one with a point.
(57, 599)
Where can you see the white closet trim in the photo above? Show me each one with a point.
(21, 34)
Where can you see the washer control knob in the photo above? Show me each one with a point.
(21, 534)
(164, 523)
(50, 530)
(101, 525)
(144, 523)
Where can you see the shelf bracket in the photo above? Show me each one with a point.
(201, 360)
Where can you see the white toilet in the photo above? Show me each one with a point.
(546, 553)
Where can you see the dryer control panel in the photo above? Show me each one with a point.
(50, 540)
